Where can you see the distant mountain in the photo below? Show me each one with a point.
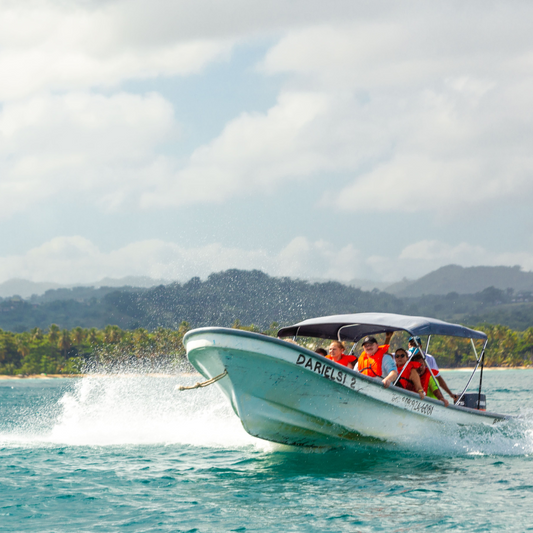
(470, 280)
(368, 285)
(251, 297)
(356, 283)
(26, 289)
(130, 281)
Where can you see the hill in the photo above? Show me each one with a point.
(26, 289)
(250, 297)
(470, 280)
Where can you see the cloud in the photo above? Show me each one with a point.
(104, 147)
(75, 259)
(435, 107)
(419, 258)
(254, 153)
(53, 45)
(386, 108)
(47, 45)
(378, 103)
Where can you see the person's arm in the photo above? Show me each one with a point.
(415, 378)
(388, 367)
(390, 378)
(440, 397)
(388, 337)
(444, 385)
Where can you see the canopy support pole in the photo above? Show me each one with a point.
(481, 375)
(476, 367)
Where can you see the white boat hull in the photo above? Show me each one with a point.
(288, 394)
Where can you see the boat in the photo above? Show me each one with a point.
(285, 393)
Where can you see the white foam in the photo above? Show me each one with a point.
(510, 437)
(126, 409)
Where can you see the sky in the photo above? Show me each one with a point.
(340, 140)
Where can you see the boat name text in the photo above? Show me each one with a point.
(325, 370)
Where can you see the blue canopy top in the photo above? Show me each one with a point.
(356, 326)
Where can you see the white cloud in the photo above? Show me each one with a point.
(47, 45)
(420, 258)
(77, 45)
(75, 259)
(254, 153)
(425, 107)
(390, 100)
(435, 106)
(80, 143)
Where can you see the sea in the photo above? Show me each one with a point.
(130, 453)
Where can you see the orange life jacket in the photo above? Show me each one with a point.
(405, 372)
(424, 379)
(344, 360)
(371, 366)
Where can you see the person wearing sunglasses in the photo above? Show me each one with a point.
(408, 375)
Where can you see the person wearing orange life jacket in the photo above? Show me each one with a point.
(375, 360)
(414, 344)
(428, 382)
(336, 353)
(408, 375)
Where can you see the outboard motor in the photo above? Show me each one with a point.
(470, 400)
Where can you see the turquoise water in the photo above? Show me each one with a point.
(132, 454)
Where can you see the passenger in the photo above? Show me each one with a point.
(375, 360)
(428, 381)
(432, 363)
(321, 351)
(336, 353)
(408, 375)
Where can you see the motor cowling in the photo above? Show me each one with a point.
(470, 399)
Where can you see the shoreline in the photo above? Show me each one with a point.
(159, 375)
(123, 375)
(485, 368)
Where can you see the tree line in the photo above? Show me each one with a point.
(63, 351)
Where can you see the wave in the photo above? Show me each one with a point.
(122, 409)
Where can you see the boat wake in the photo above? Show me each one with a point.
(126, 409)
(511, 437)
(143, 409)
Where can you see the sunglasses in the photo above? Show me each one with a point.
(400, 355)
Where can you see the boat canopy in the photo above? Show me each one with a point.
(356, 326)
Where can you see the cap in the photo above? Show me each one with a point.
(369, 340)
(416, 340)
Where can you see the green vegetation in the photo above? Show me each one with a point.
(150, 323)
(59, 351)
(253, 298)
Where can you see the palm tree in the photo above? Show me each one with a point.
(53, 333)
(78, 336)
(65, 342)
(23, 347)
(36, 334)
(112, 334)
(93, 337)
